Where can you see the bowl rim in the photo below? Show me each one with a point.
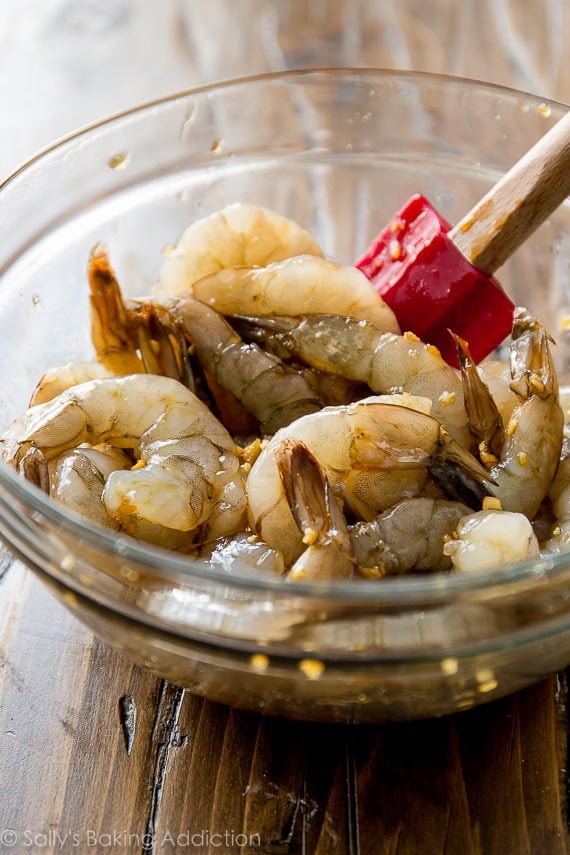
(172, 565)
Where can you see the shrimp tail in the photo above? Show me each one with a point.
(112, 332)
(329, 552)
(458, 473)
(308, 492)
(163, 350)
(532, 366)
(120, 328)
(484, 420)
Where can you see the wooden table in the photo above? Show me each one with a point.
(196, 776)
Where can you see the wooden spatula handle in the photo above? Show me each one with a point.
(535, 186)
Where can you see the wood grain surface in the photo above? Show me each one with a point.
(99, 756)
(491, 780)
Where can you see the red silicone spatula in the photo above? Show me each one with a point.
(438, 278)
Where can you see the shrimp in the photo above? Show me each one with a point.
(318, 514)
(488, 539)
(408, 536)
(272, 391)
(187, 469)
(531, 452)
(374, 455)
(238, 234)
(384, 361)
(57, 380)
(296, 287)
(483, 417)
(331, 389)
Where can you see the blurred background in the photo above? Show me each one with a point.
(64, 63)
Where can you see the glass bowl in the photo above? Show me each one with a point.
(339, 151)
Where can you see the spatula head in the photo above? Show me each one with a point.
(432, 287)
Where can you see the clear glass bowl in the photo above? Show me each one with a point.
(339, 151)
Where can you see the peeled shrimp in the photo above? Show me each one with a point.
(531, 452)
(295, 287)
(408, 536)
(488, 539)
(386, 362)
(187, 470)
(57, 380)
(374, 455)
(238, 234)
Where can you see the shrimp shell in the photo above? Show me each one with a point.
(408, 536)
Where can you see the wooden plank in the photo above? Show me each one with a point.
(492, 780)
(474, 783)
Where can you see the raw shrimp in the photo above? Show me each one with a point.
(238, 234)
(57, 380)
(409, 536)
(187, 469)
(488, 539)
(273, 392)
(328, 551)
(295, 287)
(535, 429)
(374, 455)
(386, 362)
(331, 389)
